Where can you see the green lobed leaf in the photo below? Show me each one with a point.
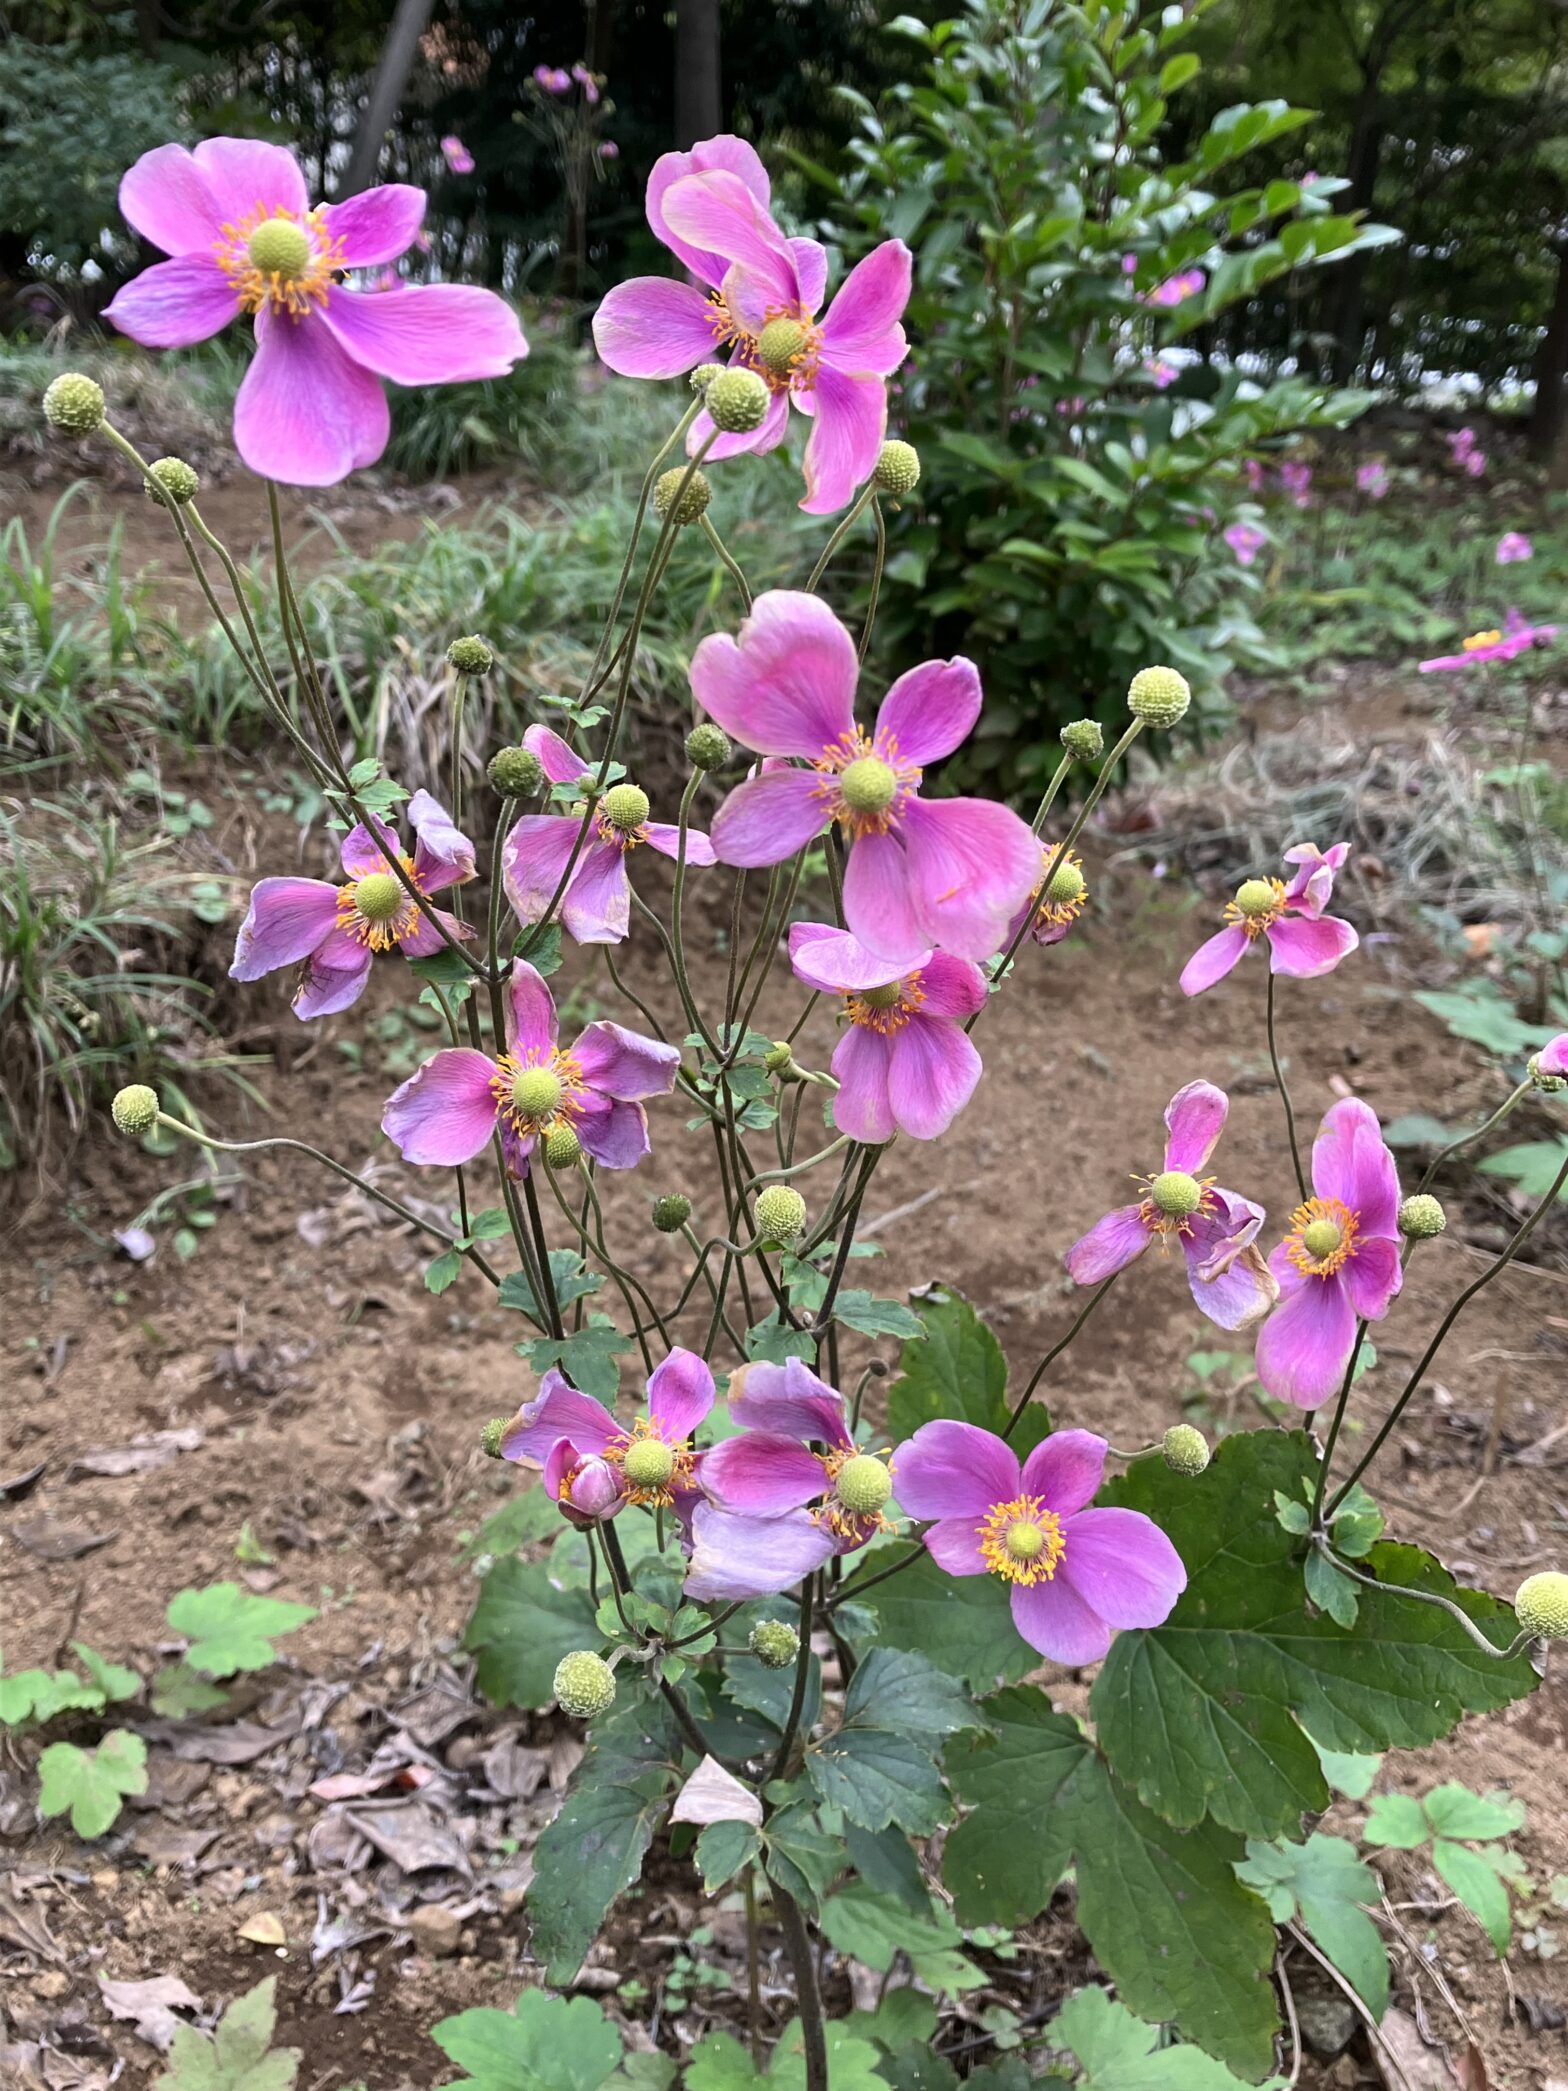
(239, 2055)
(1326, 1886)
(1348, 1773)
(1396, 1820)
(957, 1370)
(1204, 1714)
(898, 1689)
(231, 1629)
(587, 1357)
(92, 1784)
(885, 1860)
(176, 1692)
(572, 1281)
(442, 1271)
(531, 1515)
(542, 2044)
(878, 1928)
(869, 1316)
(1117, 2051)
(723, 1848)
(961, 1624)
(1454, 1811)
(112, 1680)
(521, 1627)
(801, 1857)
(878, 1777)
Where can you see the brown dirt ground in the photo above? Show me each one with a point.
(337, 1407)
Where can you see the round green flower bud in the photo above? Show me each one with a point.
(625, 806)
(172, 482)
(584, 1684)
(516, 773)
(686, 500)
(1176, 1194)
(1158, 696)
(1185, 1449)
(737, 401)
(863, 1484)
(562, 1148)
(470, 656)
(1549, 1085)
(707, 747)
(1066, 884)
(671, 1212)
(74, 403)
(135, 1110)
(1542, 1604)
(780, 1213)
(1254, 897)
(778, 1056)
(1421, 1217)
(1083, 740)
(702, 377)
(897, 468)
(492, 1434)
(774, 1643)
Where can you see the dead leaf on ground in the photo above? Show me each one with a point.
(51, 1541)
(515, 1770)
(413, 1837)
(335, 1846)
(22, 1921)
(239, 1742)
(431, 1715)
(151, 2006)
(20, 1485)
(152, 1449)
(353, 1786)
(1407, 2063)
(264, 1929)
(161, 1844)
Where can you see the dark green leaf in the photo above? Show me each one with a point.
(960, 1623)
(769, 1692)
(895, 1688)
(442, 1270)
(885, 1861)
(442, 968)
(588, 1358)
(878, 1777)
(877, 1928)
(522, 1626)
(541, 948)
(723, 1849)
(776, 1342)
(1469, 1873)
(802, 1858)
(529, 1516)
(874, 1317)
(571, 1280)
(541, 2044)
(1324, 1884)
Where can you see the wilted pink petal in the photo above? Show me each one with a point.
(445, 1113)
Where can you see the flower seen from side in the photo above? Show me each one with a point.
(457, 155)
(594, 1465)
(1246, 540)
(1515, 637)
(1302, 941)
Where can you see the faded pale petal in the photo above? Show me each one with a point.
(616, 1135)
(1109, 1246)
(623, 1064)
(861, 1066)
(934, 1071)
(931, 710)
(558, 1411)
(1305, 1345)
(1194, 1118)
(534, 857)
(972, 865)
(786, 684)
(429, 334)
(305, 413)
(377, 225)
(735, 1556)
(443, 855)
(1212, 960)
(531, 1024)
(1065, 1470)
(1054, 1619)
(597, 908)
(680, 1393)
(286, 920)
(175, 304)
(712, 1794)
(654, 327)
(950, 1469)
(444, 1114)
(762, 1473)
(788, 1399)
(768, 818)
(1305, 947)
(846, 439)
(1123, 1567)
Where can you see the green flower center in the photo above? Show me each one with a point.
(779, 344)
(1176, 1194)
(378, 897)
(869, 785)
(279, 247)
(884, 997)
(863, 1484)
(625, 807)
(1254, 897)
(1322, 1238)
(535, 1092)
(649, 1462)
(1066, 883)
(1024, 1540)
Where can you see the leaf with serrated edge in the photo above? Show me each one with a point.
(962, 1624)
(898, 1689)
(541, 2044)
(231, 1629)
(239, 2056)
(1454, 1811)
(1324, 1884)
(521, 1627)
(1479, 1887)
(878, 1777)
(1118, 2051)
(92, 1784)
(957, 1370)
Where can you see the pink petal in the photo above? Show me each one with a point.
(701, 436)
(1304, 1346)
(445, 1113)
(954, 1545)
(1194, 1118)
(175, 304)
(334, 978)
(531, 1025)
(597, 908)
(364, 849)
(841, 455)
(716, 213)
(666, 839)
(616, 1135)
(241, 173)
(837, 962)
(377, 225)
(1350, 1162)
(680, 1393)
(286, 920)
(561, 762)
(950, 1469)
(306, 414)
(763, 1473)
(811, 267)
(424, 940)
(860, 330)
(935, 1070)
(442, 855)
(624, 1065)
(1305, 947)
(952, 987)
(166, 200)
(1054, 1619)
(734, 1556)
(930, 711)
(879, 903)
(1109, 1246)
(972, 865)
(1123, 1567)
(1065, 1470)
(790, 1400)
(654, 327)
(1553, 1057)
(533, 858)
(861, 1064)
(1373, 1275)
(786, 684)
(429, 334)
(734, 156)
(1229, 1279)
(558, 1411)
(1228, 1224)
(1213, 960)
(768, 818)
(1312, 886)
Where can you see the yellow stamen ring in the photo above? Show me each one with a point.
(524, 1105)
(886, 1009)
(1322, 1236)
(856, 1526)
(1022, 1541)
(279, 258)
(870, 802)
(1258, 905)
(648, 1478)
(377, 909)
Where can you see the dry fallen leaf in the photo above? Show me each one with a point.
(153, 1449)
(1406, 2061)
(412, 1837)
(264, 1929)
(151, 2005)
(52, 1541)
(712, 1794)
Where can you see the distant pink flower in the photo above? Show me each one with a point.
(1340, 1260)
(1160, 373)
(1253, 467)
(710, 208)
(1302, 940)
(457, 155)
(449, 1110)
(609, 150)
(596, 905)
(1296, 479)
(776, 1493)
(1246, 540)
(1513, 546)
(923, 874)
(235, 216)
(593, 1464)
(1475, 463)
(1074, 1575)
(1516, 637)
(554, 79)
(1175, 290)
(1372, 478)
(332, 932)
(1214, 1229)
(1461, 443)
(904, 1064)
(587, 82)
(1129, 264)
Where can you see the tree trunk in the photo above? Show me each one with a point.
(699, 107)
(386, 94)
(1547, 416)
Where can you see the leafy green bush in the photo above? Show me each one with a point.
(1078, 533)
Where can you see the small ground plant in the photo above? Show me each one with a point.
(797, 1615)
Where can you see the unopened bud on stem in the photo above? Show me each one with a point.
(780, 1213)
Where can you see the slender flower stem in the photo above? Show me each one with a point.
(1284, 1095)
(1516, 1646)
(598, 1249)
(797, 1701)
(727, 559)
(643, 499)
(797, 1168)
(1469, 1139)
(753, 1974)
(867, 495)
(1055, 1352)
(1338, 1418)
(808, 1993)
(878, 566)
(551, 1304)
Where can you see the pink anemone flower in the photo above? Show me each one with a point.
(1515, 638)
(904, 1064)
(709, 206)
(790, 1492)
(450, 1109)
(1340, 1259)
(594, 1465)
(1215, 1229)
(1296, 479)
(1246, 540)
(457, 155)
(1303, 942)
(335, 931)
(1513, 546)
(596, 905)
(1552, 1059)
(923, 874)
(235, 216)
(1175, 290)
(1074, 1575)
(1372, 478)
